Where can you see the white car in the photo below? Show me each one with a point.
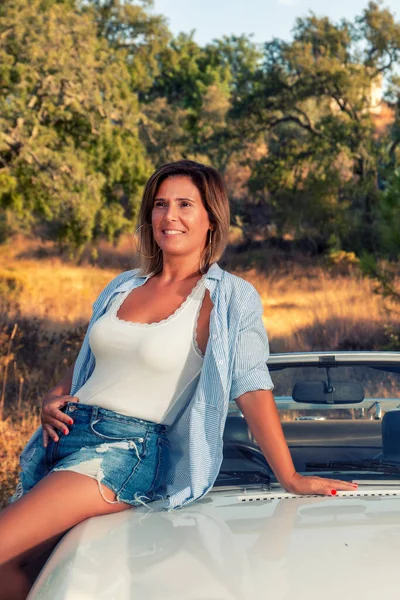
(248, 539)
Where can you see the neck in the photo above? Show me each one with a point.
(179, 269)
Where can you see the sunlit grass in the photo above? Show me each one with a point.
(316, 311)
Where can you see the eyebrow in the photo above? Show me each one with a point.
(178, 199)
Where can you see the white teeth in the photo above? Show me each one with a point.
(172, 231)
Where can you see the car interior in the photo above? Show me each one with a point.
(316, 441)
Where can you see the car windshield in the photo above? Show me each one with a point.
(325, 439)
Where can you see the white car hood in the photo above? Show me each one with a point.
(233, 546)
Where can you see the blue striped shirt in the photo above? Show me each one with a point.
(234, 363)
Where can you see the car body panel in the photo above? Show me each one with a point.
(231, 546)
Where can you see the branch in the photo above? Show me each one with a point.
(296, 120)
(387, 66)
(41, 165)
(345, 106)
(307, 118)
(392, 149)
(377, 71)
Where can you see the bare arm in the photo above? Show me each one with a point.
(259, 410)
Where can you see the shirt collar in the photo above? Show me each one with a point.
(214, 272)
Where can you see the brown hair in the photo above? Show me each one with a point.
(215, 200)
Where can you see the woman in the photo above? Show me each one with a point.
(140, 415)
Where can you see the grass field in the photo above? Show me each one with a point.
(45, 304)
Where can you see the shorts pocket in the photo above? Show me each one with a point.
(113, 430)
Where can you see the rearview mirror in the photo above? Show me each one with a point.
(318, 392)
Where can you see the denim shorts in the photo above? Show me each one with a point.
(126, 454)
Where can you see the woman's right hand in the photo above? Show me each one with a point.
(53, 418)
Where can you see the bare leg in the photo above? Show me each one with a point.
(35, 523)
(36, 559)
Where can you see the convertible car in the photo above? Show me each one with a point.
(248, 538)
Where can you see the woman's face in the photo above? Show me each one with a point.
(177, 208)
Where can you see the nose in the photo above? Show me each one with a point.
(171, 213)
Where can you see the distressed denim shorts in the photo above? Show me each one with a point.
(126, 454)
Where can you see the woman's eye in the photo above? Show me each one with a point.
(160, 203)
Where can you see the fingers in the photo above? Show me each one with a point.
(51, 433)
(330, 487)
(58, 401)
(55, 419)
(62, 417)
(310, 484)
(338, 484)
(55, 423)
(50, 414)
(45, 437)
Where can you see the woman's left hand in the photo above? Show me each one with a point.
(301, 484)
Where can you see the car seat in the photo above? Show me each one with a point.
(390, 437)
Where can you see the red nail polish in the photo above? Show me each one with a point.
(333, 492)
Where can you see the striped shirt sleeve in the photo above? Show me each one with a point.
(250, 371)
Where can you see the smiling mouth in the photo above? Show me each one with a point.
(172, 232)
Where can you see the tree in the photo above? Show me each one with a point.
(310, 103)
(186, 106)
(70, 153)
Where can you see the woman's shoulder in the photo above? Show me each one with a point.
(122, 278)
(112, 286)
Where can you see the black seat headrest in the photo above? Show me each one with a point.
(391, 433)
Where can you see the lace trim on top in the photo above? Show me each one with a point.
(115, 308)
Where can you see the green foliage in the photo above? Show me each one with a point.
(310, 104)
(68, 124)
(382, 274)
(389, 217)
(96, 93)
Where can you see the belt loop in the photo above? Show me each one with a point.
(94, 412)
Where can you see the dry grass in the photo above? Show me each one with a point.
(315, 310)
(306, 308)
(13, 437)
(52, 289)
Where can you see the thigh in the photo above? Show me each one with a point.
(58, 502)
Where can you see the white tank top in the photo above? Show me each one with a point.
(145, 370)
